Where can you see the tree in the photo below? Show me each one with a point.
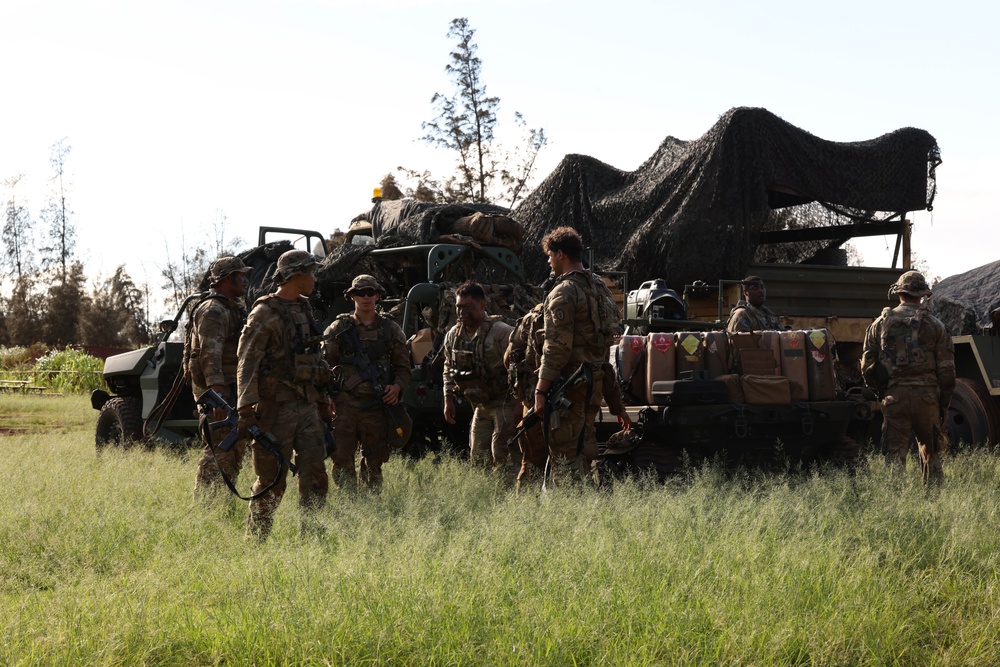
(17, 233)
(116, 313)
(25, 311)
(62, 231)
(187, 275)
(66, 302)
(465, 123)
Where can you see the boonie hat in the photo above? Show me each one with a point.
(223, 266)
(364, 281)
(912, 283)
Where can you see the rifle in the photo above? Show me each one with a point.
(554, 400)
(369, 372)
(211, 399)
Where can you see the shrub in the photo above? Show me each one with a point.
(69, 371)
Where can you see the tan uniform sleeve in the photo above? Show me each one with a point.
(449, 345)
(870, 353)
(611, 390)
(560, 323)
(213, 327)
(258, 335)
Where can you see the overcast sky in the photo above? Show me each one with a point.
(289, 112)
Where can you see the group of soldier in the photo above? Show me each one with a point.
(535, 388)
(908, 359)
(285, 377)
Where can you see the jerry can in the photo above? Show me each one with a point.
(661, 364)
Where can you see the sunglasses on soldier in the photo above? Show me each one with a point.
(368, 291)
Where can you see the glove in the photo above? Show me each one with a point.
(246, 420)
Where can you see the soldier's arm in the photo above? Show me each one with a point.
(560, 321)
(945, 357)
(331, 343)
(738, 321)
(253, 345)
(449, 344)
(212, 331)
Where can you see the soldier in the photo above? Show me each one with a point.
(210, 357)
(909, 358)
(473, 367)
(750, 313)
(363, 406)
(581, 322)
(522, 358)
(281, 383)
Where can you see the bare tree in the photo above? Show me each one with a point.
(17, 233)
(56, 214)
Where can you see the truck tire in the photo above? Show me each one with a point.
(119, 423)
(973, 418)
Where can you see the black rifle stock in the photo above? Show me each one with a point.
(211, 399)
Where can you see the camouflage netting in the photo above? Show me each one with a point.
(694, 210)
(964, 301)
(409, 222)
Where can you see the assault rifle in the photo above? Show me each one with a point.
(211, 399)
(555, 399)
(369, 372)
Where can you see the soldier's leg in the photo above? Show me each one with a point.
(566, 462)
(924, 416)
(310, 453)
(268, 471)
(505, 456)
(481, 437)
(533, 456)
(208, 478)
(896, 428)
(345, 433)
(372, 432)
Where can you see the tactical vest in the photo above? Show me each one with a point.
(476, 365)
(601, 307)
(303, 368)
(902, 352)
(377, 344)
(192, 344)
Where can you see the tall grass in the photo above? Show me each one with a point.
(110, 561)
(67, 371)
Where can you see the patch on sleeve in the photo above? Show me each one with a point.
(559, 314)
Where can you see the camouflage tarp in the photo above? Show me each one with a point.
(964, 301)
(694, 210)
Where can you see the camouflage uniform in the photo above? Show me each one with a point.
(285, 382)
(473, 366)
(909, 356)
(361, 414)
(579, 329)
(523, 357)
(215, 332)
(745, 317)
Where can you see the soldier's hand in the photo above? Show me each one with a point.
(246, 420)
(219, 414)
(449, 408)
(624, 420)
(391, 396)
(325, 411)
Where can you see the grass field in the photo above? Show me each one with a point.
(109, 561)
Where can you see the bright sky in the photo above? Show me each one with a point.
(288, 112)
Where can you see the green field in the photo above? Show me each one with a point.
(110, 561)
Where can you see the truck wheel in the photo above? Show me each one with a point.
(973, 417)
(119, 423)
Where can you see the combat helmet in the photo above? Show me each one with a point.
(226, 265)
(912, 283)
(294, 263)
(363, 281)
